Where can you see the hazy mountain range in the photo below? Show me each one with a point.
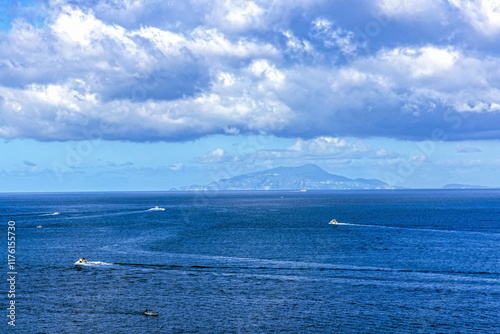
(307, 177)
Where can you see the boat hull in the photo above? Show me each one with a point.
(151, 314)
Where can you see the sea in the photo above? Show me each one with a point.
(398, 261)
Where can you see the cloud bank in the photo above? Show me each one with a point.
(179, 70)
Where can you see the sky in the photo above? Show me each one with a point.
(109, 95)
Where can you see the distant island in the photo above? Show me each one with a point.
(307, 177)
(464, 186)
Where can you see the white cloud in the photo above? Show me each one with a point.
(216, 156)
(484, 15)
(296, 44)
(263, 69)
(226, 79)
(241, 16)
(106, 73)
(320, 150)
(237, 15)
(412, 8)
(328, 146)
(422, 62)
(68, 112)
(45, 110)
(204, 42)
(335, 37)
(338, 148)
(442, 74)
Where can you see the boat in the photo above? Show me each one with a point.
(333, 222)
(150, 313)
(156, 208)
(81, 261)
(39, 226)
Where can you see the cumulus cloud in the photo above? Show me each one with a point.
(329, 146)
(216, 156)
(409, 9)
(401, 92)
(237, 15)
(154, 70)
(332, 150)
(484, 15)
(338, 148)
(335, 37)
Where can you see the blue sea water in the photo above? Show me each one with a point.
(402, 261)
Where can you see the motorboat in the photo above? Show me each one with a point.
(81, 261)
(150, 313)
(156, 208)
(39, 226)
(333, 222)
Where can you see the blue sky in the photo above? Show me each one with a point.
(150, 95)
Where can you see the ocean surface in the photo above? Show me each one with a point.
(405, 261)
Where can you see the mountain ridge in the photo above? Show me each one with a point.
(306, 177)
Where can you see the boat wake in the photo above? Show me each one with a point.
(423, 229)
(51, 214)
(300, 267)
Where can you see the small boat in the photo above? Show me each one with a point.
(39, 226)
(80, 261)
(56, 213)
(156, 208)
(333, 222)
(84, 263)
(150, 313)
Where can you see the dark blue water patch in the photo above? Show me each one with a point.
(258, 262)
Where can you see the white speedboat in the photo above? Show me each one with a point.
(150, 313)
(81, 261)
(156, 208)
(333, 222)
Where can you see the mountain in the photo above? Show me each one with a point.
(307, 177)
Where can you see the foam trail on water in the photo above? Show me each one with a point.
(417, 229)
